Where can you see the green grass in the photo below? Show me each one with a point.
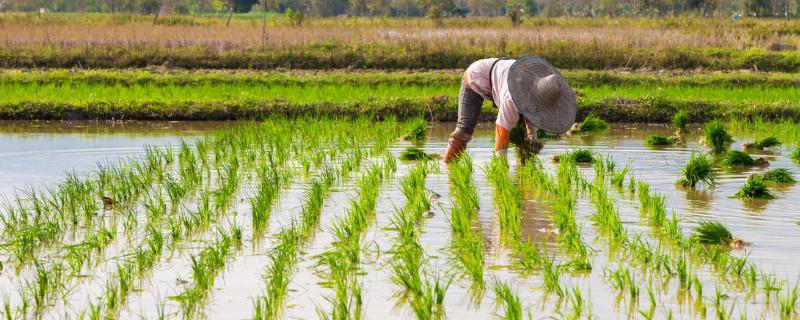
(654, 140)
(698, 170)
(712, 232)
(743, 94)
(119, 94)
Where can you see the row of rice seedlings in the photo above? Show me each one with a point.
(37, 218)
(425, 289)
(507, 198)
(103, 233)
(710, 246)
(568, 180)
(270, 181)
(147, 254)
(284, 256)
(206, 266)
(342, 261)
(467, 242)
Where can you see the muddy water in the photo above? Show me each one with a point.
(40, 153)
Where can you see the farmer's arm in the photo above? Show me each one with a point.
(469, 110)
(507, 118)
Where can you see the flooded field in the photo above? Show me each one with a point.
(319, 219)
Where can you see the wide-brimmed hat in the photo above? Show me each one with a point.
(542, 95)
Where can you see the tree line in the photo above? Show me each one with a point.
(515, 9)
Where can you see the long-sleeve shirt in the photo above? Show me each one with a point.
(494, 87)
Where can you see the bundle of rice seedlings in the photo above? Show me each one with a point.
(659, 140)
(716, 136)
(541, 134)
(712, 232)
(738, 158)
(680, 119)
(414, 153)
(781, 175)
(698, 169)
(754, 188)
(591, 123)
(762, 144)
(579, 155)
(419, 131)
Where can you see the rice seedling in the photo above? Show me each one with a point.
(766, 143)
(788, 303)
(716, 136)
(578, 156)
(467, 244)
(507, 197)
(205, 266)
(698, 169)
(755, 188)
(416, 154)
(509, 299)
(712, 232)
(736, 158)
(680, 119)
(778, 176)
(655, 140)
(591, 123)
(418, 131)
(796, 155)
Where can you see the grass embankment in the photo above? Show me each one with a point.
(614, 96)
(97, 41)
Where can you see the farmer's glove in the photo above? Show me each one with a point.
(456, 144)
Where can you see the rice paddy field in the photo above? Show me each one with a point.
(320, 218)
(186, 169)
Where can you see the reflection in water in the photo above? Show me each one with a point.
(698, 198)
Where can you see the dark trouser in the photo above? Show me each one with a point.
(469, 110)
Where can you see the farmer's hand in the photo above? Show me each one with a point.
(534, 146)
(457, 143)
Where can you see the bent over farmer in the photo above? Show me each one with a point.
(528, 88)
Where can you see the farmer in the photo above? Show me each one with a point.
(528, 88)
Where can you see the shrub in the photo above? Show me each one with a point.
(698, 169)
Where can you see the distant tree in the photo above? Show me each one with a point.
(761, 8)
(242, 6)
(150, 6)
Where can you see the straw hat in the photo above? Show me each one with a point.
(542, 94)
